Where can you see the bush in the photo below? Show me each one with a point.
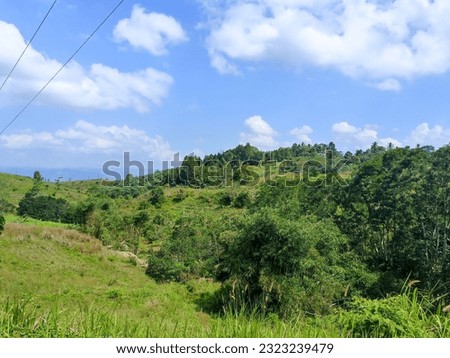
(6, 207)
(157, 197)
(225, 198)
(79, 214)
(242, 200)
(44, 208)
(190, 252)
(396, 316)
(287, 266)
(179, 196)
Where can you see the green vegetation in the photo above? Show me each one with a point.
(300, 241)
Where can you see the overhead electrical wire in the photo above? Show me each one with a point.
(62, 67)
(28, 45)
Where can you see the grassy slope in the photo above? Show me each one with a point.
(14, 187)
(61, 283)
(56, 267)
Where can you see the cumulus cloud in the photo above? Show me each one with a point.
(100, 87)
(380, 42)
(150, 31)
(350, 137)
(260, 134)
(423, 134)
(302, 134)
(88, 138)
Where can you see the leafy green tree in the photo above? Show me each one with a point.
(44, 208)
(278, 196)
(37, 177)
(190, 172)
(396, 210)
(80, 213)
(157, 196)
(192, 251)
(287, 266)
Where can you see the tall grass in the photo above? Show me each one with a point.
(25, 318)
(410, 314)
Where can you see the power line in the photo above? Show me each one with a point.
(28, 45)
(61, 68)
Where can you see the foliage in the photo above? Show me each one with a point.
(396, 212)
(79, 214)
(288, 266)
(46, 208)
(6, 207)
(180, 196)
(191, 251)
(242, 200)
(157, 196)
(403, 315)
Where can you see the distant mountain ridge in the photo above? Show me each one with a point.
(57, 174)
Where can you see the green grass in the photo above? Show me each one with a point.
(13, 218)
(14, 187)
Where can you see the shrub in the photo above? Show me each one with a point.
(157, 197)
(242, 200)
(6, 207)
(287, 266)
(44, 208)
(396, 316)
(192, 250)
(179, 196)
(225, 198)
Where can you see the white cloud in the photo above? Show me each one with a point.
(29, 140)
(389, 85)
(302, 134)
(344, 128)
(149, 31)
(100, 87)
(381, 42)
(88, 138)
(261, 134)
(349, 137)
(423, 134)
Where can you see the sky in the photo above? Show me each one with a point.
(163, 77)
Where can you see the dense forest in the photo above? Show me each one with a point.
(302, 231)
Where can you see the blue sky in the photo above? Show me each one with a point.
(162, 77)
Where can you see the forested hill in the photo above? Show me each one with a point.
(301, 230)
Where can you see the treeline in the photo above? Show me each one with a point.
(238, 165)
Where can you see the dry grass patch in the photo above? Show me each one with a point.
(66, 237)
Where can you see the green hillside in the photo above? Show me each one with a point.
(61, 283)
(284, 244)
